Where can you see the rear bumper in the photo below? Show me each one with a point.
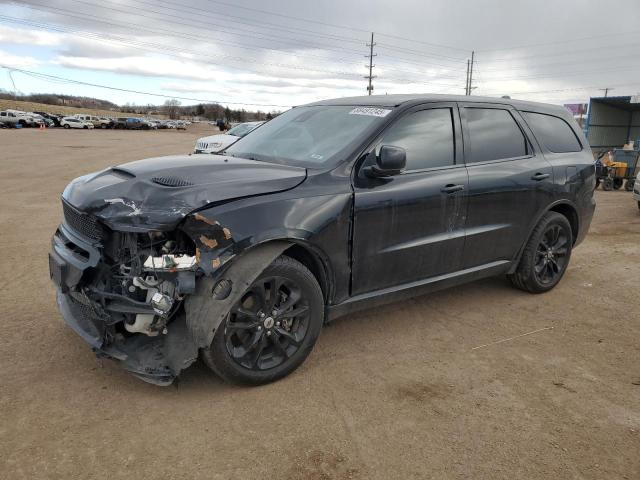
(585, 219)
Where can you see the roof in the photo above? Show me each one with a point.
(397, 100)
(622, 102)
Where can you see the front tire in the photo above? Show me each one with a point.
(546, 255)
(272, 328)
(66, 125)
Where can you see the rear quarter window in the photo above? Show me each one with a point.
(553, 132)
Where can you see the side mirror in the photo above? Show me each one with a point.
(391, 161)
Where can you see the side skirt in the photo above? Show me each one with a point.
(417, 288)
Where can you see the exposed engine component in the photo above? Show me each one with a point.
(145, 281)
(170, 262)
(161, 303)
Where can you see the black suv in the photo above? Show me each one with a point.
(328, 208)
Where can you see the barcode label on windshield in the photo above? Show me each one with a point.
(370, 111)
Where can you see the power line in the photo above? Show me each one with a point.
(245, 21)
(558, 54)
(564, 74)
(194, 23)
(78, 82)
(343, 27)
(164, 49)
(572, 40)
(589, 61)
(173, 33)
(420, 53)
(593, 87)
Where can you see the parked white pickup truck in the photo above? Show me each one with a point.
(9, 118)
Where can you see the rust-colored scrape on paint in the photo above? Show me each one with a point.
(209, 242)
(227, 233)
(204, 219)
(215, 263)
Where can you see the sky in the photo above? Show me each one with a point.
(273, 55)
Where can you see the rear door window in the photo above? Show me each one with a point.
(494, 135)
(553, 132)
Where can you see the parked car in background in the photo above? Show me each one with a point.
(98, 122)
(25, 119)
(217, 143)
(40, 120)
(54, 118)
(73, 122)
(106, 122)
(327, 209)
(132, 123)
(11, 119)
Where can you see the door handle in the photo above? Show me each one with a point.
(452, 188)
(540, 176)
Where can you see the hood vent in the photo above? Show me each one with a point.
(171, 181)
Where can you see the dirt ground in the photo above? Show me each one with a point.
(443, 386)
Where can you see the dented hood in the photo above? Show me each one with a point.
(157, 193)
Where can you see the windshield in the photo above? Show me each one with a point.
(310, 137)
(242, 129)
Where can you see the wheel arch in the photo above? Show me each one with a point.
(317, 263)
(563, 207)
(571, 214)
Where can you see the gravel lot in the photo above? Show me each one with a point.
(442, 386)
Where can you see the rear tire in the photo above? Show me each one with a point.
(252, 346)
(546, 255)
(607, 184)
(628, 186)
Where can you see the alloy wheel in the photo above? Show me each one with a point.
(551, 254)
(268, 324)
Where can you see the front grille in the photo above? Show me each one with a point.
(83, 223)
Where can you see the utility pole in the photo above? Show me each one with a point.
(606, 91)
(371, 65)
(471, 87)
(466, 84)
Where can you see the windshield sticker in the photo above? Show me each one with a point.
(370, 111)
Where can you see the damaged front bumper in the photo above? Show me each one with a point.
(155, 359)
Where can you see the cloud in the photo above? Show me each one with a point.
(23, 36)
(237, 51)
(15, 61)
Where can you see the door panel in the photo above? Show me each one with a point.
(408, 229)
(411, 226)
(504, 196)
